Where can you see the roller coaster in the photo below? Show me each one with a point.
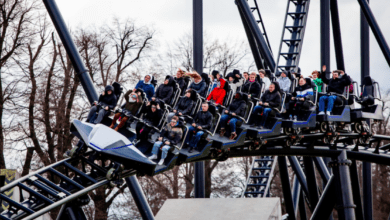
(104, 157)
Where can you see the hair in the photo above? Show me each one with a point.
(263, 72)
(303, 79)
(253, 73)
(175, 117)
(194, 75)
(337, 71)
(205, 103)
(316, 72)
(245, 73)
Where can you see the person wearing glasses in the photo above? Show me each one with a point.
(169, 137)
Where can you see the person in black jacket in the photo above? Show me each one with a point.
(152, 116)
(251, 87)
(270, 99)
(185, 105)
(169, 136)
(107, 101)
(336, 84)
(165, 91)
(236, 108)
(202, 120)
(182, 80)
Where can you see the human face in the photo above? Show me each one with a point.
(261, 75)
(283, 74)
(166, 81)
(246, 76)
(188, 94)
(154, 108)
(271, 87)
(252, 77)
(335, 75)
(197, 80)
(109, 92)
(173, 122)
(315, 75)
(302, 81)
(231, 79)
(178, 74)
(205, 107)
(147, 78)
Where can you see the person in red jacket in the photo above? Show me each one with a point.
(218, 93)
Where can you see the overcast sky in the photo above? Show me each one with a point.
(221, 20)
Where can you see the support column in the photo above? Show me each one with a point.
(71, 50)
(325, 35)
(311, 181)
(139, 198)
(286, 187)
(198, 66)
(367, 191)
(356, 191)
(338, 45)
(345, 205)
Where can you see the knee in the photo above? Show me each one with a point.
(322, 98)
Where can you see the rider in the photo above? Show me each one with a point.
(181, 79)
(165, 91)
(270, 99)
(236, 108)
(202, 120)
(315, 76)
(184, 106)
(133, 103)
(107, 101)
(146, 86)
(284, 82)
(235, 80)
(169, 136)
(198, 85)
(301, 97)
(336, 84)
(218, 93)
(152, 116)
(252, 87)
(264, 78)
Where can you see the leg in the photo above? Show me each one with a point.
(138, 129)
(122, 123)
(255, 112)
(165, 150)
(224, 120)
(232, 124)
(190, 133)
(195, 140)
(145, 131)
(116, 117)
(265, 115)
(298, 107)
(91, 113)
(101, 115)
(331, 100)
(321, 103)
(156, 145)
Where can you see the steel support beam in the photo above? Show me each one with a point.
(345, 206)
(364, 48)
(198, 66)
(338, 45)
(325, 35)
(139, 198)
(252, 43)
(311, 182)
(367, 191)
(299, 173)
(258, 35)
(302, 207)
(322, 169)
(69, 212)
(296, 194)
(325, 205)
(365, 7)
(71, 50)
(356, 191)
(288, 200)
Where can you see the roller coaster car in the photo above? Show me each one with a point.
(173, 154)
(115, 146)
(341, 111)
(371, 104)
(224, 142)
(204, 145)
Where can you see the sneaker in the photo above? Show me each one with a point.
(153, 157)
(222, 132)
(328, 113)
(233, 135)
(321, 113)
(161, 162)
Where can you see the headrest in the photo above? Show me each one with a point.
(367, 81)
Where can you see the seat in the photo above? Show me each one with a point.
(206, 79)
(198, 103)
(216, 119)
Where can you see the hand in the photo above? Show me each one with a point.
(342, 72)
(158, 106)
(153, 99)
(226, 111)
(106, 108)
(302, 99)
(134, 90)
(200, 127)
(95, 103)
(292, 98)
(193, 125)
(167, 142)
(148, 104)
(249, 95)
(310, 76)
(234, 114)
(266, 104)
(103, 93)
(160, 138)
(180, 113)
(216, 104)
(260, 103)
(174, 111)
(323, 68)
(238, 76)
(139, 93)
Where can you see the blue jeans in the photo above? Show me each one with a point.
(257, 110)
(193, 141)
(164, 150)
(232, 123)
(329, 99)
(100, 115)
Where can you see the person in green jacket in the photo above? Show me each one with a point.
(315, 76)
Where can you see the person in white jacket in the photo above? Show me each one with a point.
(265, 79)
(235, 80)
(284, 82)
